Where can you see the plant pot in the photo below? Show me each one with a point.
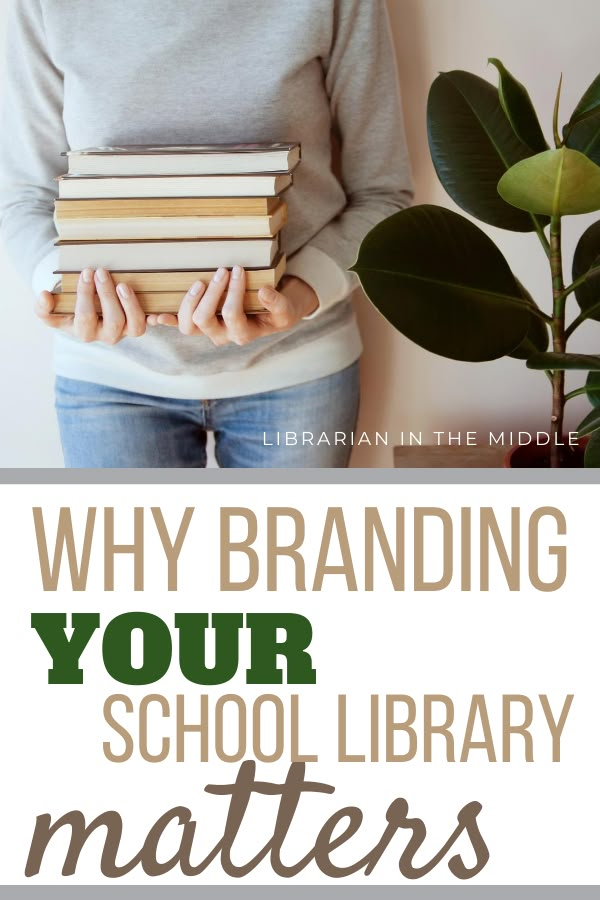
(536, 456)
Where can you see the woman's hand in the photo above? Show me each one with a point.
(198, 310)
(122, 315)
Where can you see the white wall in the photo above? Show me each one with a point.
(404, 388)
(28, 432)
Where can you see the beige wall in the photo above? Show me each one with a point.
(404, 388)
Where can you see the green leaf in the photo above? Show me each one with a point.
(593, 388)
(592, 452)
(519, 109)
(585, 137)
(554, 183)
(590, 424)
(535, 341)
(582, 132)
(537, 338)
(556, 113)
(564, 361)
(472, 145)
(588, 103)
(587, 255)
(444, 284)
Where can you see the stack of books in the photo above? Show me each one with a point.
(160, 218)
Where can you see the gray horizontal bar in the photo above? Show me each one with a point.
(299, 476)
(297, 892)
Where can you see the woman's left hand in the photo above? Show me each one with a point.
(198, 311)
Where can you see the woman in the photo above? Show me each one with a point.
(137, 392)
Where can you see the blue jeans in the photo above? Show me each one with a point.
(306, 426)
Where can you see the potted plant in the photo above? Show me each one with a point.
(442, 282)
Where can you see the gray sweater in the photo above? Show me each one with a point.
(85, 73)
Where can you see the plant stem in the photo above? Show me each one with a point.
(542, 236)
(595, 270)
(558, 338)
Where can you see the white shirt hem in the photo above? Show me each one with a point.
(316, 359)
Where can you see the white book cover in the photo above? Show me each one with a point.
(142, 255)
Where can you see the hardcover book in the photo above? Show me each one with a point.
(182, 254)
(154, 302)
(192, 159)
(157, 281)
(251, 185)
(91, 207)
(124, 227)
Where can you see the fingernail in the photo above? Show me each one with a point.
(266, 294)
(123, 291)
(87, 276)
(102, 276)
(196, 288)
(220, 274)
(237, 272)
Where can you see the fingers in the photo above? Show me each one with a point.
(85, 323)
(204, 316)
(188, 308)
(235, 319)
(44, 307)
(280, 308)
(121, 311)
(167, 319)
(198, 311)
(135, 317)
(113, 315)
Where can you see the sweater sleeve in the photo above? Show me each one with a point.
(32, 138)
(361, 82)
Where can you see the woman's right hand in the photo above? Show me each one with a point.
(122, 316)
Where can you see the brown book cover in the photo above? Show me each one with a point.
(159, 281)
(165, 206)
(142, 228)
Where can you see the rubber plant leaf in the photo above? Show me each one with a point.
(592, 452)
(590, 424)
(519, 109)
(582, 132)
(586, 257)
(564, 361)
(555, 183)
(592, 387)
(472, 145)
(537, 338)
(439, 280)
